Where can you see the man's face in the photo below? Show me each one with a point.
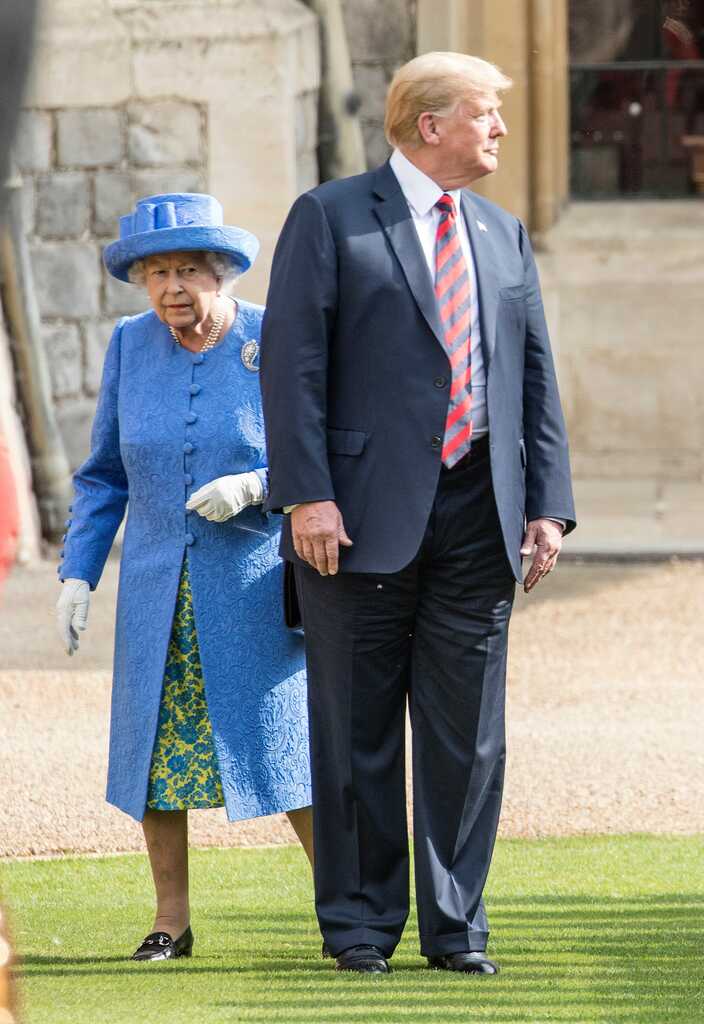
(469, 140)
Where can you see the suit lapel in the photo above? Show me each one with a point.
(486, 263)
(396, 220)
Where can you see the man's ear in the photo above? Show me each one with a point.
(428, 128)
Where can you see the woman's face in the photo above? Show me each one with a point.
(182, 288)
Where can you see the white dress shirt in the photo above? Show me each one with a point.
(422, 193)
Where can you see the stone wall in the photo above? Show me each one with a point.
(82, 169)
(381, 37)
(124, 105)
(622, 284)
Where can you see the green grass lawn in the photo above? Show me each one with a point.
(606, 929)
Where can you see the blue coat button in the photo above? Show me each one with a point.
(195, 389)
(188, 447)
(188, 479)
(68, 523)
(190, 539)
(199, 358)
(191, 417)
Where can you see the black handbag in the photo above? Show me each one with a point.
(292, 608)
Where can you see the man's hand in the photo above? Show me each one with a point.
(545, 535)
(318, 531)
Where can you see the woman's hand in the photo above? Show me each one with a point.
(72, 612)
(227, 496)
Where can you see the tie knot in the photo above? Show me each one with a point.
(446, 205)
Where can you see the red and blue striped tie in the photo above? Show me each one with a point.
(454, 300)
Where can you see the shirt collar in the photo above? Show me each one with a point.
(421, 192)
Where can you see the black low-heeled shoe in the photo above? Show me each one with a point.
(160, 946)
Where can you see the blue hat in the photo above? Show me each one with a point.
(177, 222)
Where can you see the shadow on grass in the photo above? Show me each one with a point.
(636, 960)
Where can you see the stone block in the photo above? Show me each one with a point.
(90, 138)
(375, 145)
(603, 378)
(175, 179)
(32, 146)
(63, 208)
(371, 82)
(306, 172)
(306, 112)
(75, 419)
(377, 30)
(113, 199)
(124, 299)
(96, 334)
(29, 218)
(81, 58)
(305, 58)
(62, 343)
(161, 133)
(67, 279)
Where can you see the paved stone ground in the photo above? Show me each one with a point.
(605, 714)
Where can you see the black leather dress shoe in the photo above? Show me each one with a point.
(160, 946)
(470, 963)
(364, 959)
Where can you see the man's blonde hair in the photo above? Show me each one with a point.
(436, 83)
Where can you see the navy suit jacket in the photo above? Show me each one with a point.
(352, 362)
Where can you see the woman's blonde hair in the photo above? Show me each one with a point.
(436, 83)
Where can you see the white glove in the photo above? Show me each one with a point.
(227, 496)
(72, 612)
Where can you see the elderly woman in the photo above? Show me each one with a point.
(209, 690)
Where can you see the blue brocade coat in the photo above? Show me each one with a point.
(167, 422)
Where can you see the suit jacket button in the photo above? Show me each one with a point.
(189, 539)
(188, 448)
(436, 441)
(191, 417)
(195, 389)
(440, 382)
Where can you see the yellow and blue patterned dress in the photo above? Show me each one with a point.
(184, 773)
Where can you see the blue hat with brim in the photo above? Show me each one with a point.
(177, 222)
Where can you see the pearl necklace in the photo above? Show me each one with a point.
(213, 334)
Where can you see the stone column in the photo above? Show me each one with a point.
(549, 111)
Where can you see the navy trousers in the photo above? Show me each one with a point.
(434, 634)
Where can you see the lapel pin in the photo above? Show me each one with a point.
(482, 226)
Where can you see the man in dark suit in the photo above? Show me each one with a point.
(416, 440)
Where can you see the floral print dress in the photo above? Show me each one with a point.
(184, 773)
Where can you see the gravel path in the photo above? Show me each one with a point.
(605, 715)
